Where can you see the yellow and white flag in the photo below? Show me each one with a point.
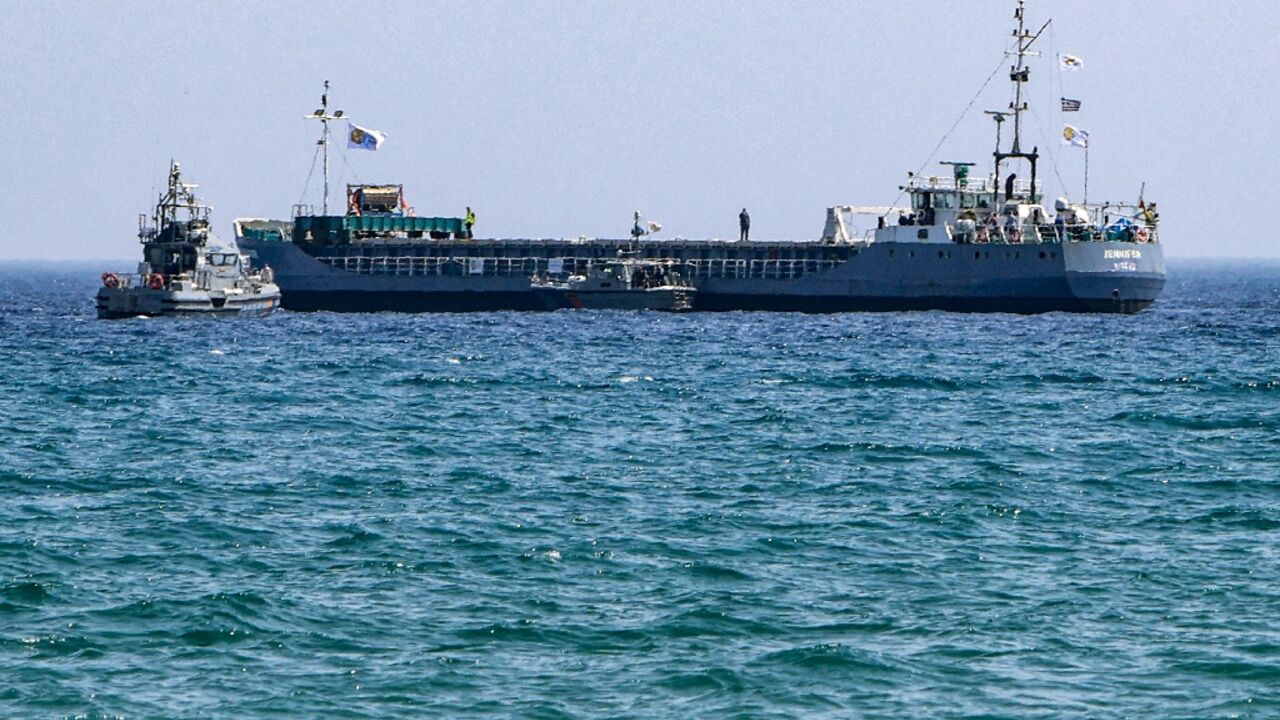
(1070, 62)
(1075, 136)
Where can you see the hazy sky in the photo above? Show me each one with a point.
(557, 119)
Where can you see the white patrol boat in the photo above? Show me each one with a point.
(186, 271)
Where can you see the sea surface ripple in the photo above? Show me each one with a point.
(596, 514)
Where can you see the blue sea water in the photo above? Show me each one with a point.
(582, 515)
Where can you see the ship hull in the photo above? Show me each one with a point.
(120, 303)
(1100, 277)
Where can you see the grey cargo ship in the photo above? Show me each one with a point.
(974, 244)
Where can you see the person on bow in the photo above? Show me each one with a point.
(470, 222)
(744, 226)
(1149, 215)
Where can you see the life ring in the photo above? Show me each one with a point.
(110, 279)
(155, 281)
(1143, 234)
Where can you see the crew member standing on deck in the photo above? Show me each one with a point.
(471, 221)
(744, 226)
(1149, 214)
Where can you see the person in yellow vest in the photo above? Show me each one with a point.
(471, 221)
(1149, 215)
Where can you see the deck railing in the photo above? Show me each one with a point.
(1029, 234)
(972, 184)
(779, 269)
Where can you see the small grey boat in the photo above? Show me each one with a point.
(622, 284)
(186, 271)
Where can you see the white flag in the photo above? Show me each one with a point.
(1070, 62)
(1075, 136)
(361, 138)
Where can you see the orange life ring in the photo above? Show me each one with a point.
(110, 279)
(1143, 234)
(155, 281)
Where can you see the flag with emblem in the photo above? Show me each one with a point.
(1075, 136)
(360, 138)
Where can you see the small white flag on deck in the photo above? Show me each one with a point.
(1075, 136)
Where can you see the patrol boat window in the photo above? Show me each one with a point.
(222, 259)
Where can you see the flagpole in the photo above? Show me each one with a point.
(1086, 174)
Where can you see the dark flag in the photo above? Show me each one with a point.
(1069, 105)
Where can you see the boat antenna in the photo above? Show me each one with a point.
(999, 117)
(322, 114)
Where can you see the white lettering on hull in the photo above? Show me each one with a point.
(1122, 254)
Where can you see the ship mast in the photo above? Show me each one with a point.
(1019, 74)
(322, 114)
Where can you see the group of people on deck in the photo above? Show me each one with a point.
(1009, 227)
